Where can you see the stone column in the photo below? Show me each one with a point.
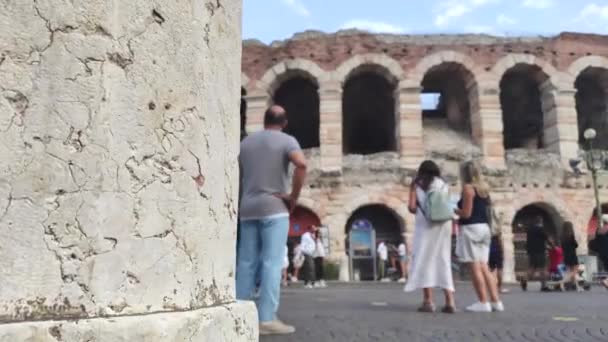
(491, 138)
(411, 144)
(330, 130)
(257, 103)
(560, 121)
(118, 176)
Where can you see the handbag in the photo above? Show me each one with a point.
(492, 218)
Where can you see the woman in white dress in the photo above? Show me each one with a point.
(431, 265)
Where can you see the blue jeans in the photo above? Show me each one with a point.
(261, 252)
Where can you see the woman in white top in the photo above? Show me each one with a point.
(319, 257)
(431, 265)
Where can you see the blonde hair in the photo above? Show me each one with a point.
(470, 173)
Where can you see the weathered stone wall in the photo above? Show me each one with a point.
(118, 178)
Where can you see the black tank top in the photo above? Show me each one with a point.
(479, 214)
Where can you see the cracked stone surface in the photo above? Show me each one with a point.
(118, 143)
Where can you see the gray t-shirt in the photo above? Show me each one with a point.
(264, 165)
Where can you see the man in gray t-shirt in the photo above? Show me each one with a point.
(264, 210)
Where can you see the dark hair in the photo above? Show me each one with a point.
(427, 172)
(275, 116)
(567, 231)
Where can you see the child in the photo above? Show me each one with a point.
(556, 259)
(569, 246)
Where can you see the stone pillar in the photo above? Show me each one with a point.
(491, 138)
(560, 121)
(411, 144)
(118, 177)
(257, 103)
(330, 130)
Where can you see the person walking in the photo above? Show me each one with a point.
(308, 246)
(473, 247)
(536, 246)
(319, 257)
(569, 246)
(298, 262)
(402, 252)
(598, 242)
(382, 252)
(264, 214)
(496, 260)
(431, 258)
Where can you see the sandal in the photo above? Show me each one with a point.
(427, 307)
(448, 309)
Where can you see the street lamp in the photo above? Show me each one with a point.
(595, 163)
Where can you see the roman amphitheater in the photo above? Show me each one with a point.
(519, 105)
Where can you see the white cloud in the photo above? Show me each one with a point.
(504, 20)
(297, 7)
(452, 9)
(372, 26)
(593, 10)
(538, 4)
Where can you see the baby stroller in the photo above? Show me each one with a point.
(557, 279)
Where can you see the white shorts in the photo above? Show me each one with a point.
(473, 243)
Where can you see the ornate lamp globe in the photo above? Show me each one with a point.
(590, 134)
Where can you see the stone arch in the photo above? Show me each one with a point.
(536, 81)
(393, 203)
(589, 77)
(370, 103)
(454, 76)
(286, 69)
(294, 84)
(579, 65)
(312, 205)
(524, 217)
(386, 66)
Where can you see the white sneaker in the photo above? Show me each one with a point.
(479, 307)
(317, 285)
(385, 280)
(498, 307)
(323, 284)
(276, 327)
(294, 279)
(308, 286)
(402, 280)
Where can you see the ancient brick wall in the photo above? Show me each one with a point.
(342, 183)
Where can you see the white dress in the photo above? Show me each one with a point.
(431, 265)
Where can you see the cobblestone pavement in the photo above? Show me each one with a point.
(383, 312)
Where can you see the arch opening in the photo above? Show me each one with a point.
(524, 219)
(525, 99)
(592, 105)
(369, 113)
(449, 97)
(388, 226)
(300, 98)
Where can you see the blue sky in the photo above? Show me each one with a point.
(269, 20)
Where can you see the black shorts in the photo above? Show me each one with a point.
(537, 260)
(495, 262)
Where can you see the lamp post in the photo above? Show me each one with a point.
(595, 162)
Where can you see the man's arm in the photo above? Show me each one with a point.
(299, 175)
